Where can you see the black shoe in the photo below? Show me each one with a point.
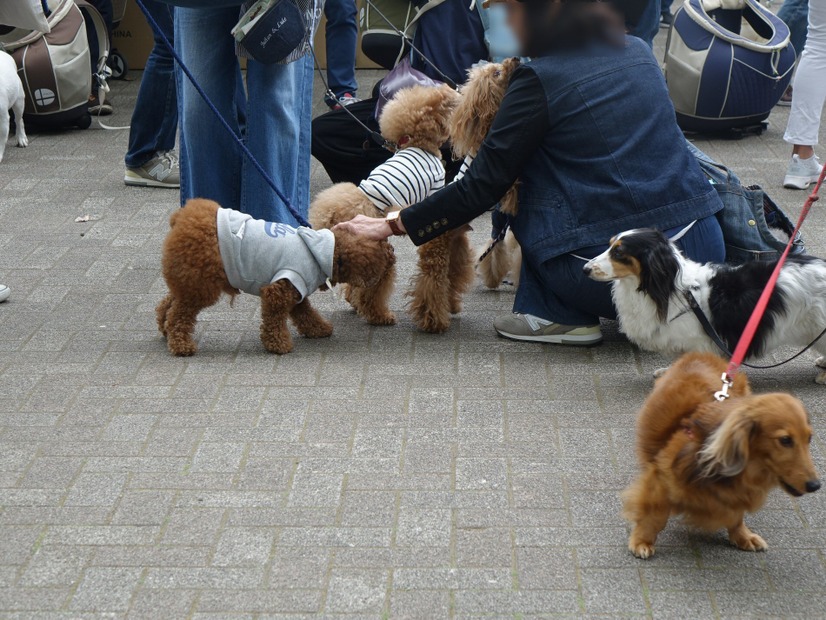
(666, 20)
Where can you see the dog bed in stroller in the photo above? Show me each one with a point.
(727, 63)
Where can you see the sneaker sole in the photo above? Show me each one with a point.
(5, 293)
(136, 181)
(571, 340)
(798, 182)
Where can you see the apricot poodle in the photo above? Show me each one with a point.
(470, 123)
(210, 251)
(714, 461)
(416, 119)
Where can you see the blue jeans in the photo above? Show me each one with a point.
(796, 15)
(665, 6)
(648, 24)
(155, 117)
(558, 290)
(341, 36)
(277, 108)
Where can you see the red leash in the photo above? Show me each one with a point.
(760, 309)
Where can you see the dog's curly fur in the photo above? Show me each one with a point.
(714, 461)
(415, 117)
(470, 123)
(194, 273)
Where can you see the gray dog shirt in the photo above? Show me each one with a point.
(256, 253)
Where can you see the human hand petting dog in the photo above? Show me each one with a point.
(376, 228)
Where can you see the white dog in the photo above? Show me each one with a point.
(12, 97)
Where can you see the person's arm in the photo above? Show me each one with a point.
(517, 132)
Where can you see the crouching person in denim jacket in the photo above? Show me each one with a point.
(588, 128)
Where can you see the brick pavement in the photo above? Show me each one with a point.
(381, 473)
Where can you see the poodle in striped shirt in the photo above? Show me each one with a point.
(417, 120)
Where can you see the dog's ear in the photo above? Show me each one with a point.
(659, 269)
(726, 451)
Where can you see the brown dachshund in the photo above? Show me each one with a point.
(714, 461)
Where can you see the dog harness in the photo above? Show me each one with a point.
(408, 177)
(256, 253)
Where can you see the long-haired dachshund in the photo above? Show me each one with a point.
(714, 461)
(650, 278)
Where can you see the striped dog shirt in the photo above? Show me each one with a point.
(408, 177)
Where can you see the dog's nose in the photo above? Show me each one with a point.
(812, 486)
(587, 270)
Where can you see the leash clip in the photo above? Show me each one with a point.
(723, 393)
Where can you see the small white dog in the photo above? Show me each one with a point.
(12, 97)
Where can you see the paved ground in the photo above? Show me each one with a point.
(380, 473)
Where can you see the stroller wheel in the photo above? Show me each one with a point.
(117, 63)
(85, 121)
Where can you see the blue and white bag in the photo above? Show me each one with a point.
(727, 63)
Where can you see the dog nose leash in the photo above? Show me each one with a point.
(749, 332)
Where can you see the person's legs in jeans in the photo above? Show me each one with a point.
(155, 117)
(279, 117)
(341, 37)
(795, 13)
(648, 24)
(210, 161)
(666, 17)
(807, 105)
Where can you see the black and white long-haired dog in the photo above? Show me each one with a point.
(650, 277)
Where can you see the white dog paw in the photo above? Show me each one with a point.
(821, 377)
(820, 362)
(22, 141)
(660, 372)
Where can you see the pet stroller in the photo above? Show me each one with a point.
(54, 66)
(727, 63)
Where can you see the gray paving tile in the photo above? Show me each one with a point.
(378, 473)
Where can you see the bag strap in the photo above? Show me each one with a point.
(697, 12)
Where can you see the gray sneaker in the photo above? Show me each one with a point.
(531, 328)
(160, 171)
(802, 172)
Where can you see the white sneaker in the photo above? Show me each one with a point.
(802, 172)
(5, 291)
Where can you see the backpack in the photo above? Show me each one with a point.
(54, 66)
(727, 63)
(749, 216)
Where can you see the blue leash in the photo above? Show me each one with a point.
(298, 217)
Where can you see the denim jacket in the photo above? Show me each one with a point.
(614, 158)
(592, 137)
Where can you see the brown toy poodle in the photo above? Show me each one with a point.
(210, 250)
(482, 96)
(416, 120)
